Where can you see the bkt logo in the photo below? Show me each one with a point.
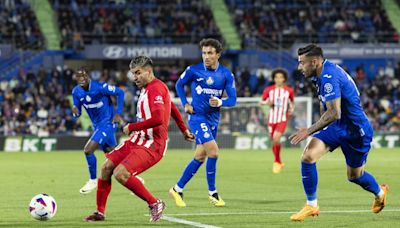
(114, 52)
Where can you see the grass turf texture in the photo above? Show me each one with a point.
(255, 196)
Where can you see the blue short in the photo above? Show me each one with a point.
(105, 136)
(355, 146)
(203, 131)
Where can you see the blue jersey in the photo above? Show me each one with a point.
(333, 83)
(97, 102)
(206, 83)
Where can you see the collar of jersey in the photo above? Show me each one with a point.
(205, 68)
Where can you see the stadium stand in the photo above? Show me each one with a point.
(19, 26)
(285, 22)
(140, 22)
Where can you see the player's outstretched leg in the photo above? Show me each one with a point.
(176, 192)
(310, 181)
(211, 171)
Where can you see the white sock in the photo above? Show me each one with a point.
(212, 192)
(178, 189)
(380, 194)
(93, 180)
(312, 203)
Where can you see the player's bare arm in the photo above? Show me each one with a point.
(321, 109)
(332, 114)
(291, 108)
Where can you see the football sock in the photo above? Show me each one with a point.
(276, 149)
(103, 190)
(92, 165)
(211, 171)
(310, 180)
(188, 173)
(367, 182)
(137, 187)
(313, 203)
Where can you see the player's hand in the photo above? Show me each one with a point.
(117, 119)
(267, 102)
(126, 129)
(299, 135)
(188, 136)
(189, 108)
(215, 102)
(75, 112)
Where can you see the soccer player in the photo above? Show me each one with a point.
(95, 98)
(343, 123)
(147, 143)
(280, 98)
(208, 80)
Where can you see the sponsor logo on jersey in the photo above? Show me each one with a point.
(158, 100)
(95, 105)
(214, 92)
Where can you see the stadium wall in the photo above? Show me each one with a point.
(225, 141)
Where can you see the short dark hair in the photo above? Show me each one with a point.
(141, 61)
(82, 70)
(311, 50)
(206, 42)
(277, 71)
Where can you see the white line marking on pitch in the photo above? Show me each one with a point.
(278, 212)
(187, 222)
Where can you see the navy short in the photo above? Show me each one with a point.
(105, 136)
(355, 146)
(203, 131)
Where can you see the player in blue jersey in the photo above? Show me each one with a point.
(95, 98)
(343, 123)
(208, 81)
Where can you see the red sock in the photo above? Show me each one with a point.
(137, 187)
(276, 149)
(103, 190)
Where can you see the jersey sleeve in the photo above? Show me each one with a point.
(185, 78)
(115, 91)
(330, 87)
(265, 94)
(230, 91)
(77, 102)
(291, 94)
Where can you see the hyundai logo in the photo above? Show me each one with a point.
(114, 52)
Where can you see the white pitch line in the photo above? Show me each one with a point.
(278, 212)
(187, 222)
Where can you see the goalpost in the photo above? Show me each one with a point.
(246, 123)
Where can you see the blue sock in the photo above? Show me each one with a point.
(189, 172)
(309, 176)
(367, 182)
(92, 164)
(211, 171)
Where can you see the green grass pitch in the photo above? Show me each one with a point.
(255, 196)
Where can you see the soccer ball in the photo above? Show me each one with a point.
(43, 207)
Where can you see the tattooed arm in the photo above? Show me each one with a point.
(332, 113)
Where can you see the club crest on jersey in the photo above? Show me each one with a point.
(210, 81)
(206, 135)
(328, 88)
(88, 99)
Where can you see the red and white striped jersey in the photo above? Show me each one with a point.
(280, 99)
(155, 96)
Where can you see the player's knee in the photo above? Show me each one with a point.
(121, 175)
(87, 150)
(308, 158)
(200, 158)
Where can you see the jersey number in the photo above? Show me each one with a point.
(204, 127)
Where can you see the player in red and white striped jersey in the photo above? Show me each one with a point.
(147, 143)
(280, 98)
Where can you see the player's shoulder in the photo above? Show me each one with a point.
(195, 67)
(288, 88)
(157, 85)
(76, 90)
